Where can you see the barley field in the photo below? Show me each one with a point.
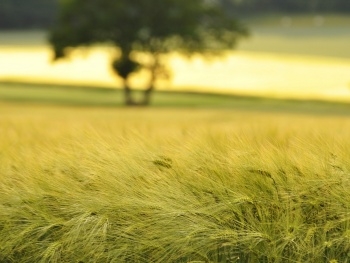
(165, 184)
(197, 177)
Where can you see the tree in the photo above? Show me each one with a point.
(152, 27)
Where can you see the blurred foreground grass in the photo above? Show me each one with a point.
(97, 184)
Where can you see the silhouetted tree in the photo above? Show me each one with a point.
(152, 27)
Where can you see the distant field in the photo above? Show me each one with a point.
(95, 184)
(299, 42)
(18, 38)
(42, 94)
(296, 60)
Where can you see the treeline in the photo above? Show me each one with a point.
(21, 14)
(288, 6)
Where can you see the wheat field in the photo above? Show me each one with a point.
(83, 184)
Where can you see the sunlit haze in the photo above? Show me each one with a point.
(275, 61)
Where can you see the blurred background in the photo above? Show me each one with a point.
(296, 49)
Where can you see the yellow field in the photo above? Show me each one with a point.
(244, 72)
(172, 185)
(302, 60)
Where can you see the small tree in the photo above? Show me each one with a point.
(152, 27)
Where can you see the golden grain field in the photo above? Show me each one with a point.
(172, 185)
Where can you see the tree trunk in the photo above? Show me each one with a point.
(149, 90)
(128, 94)
(147, 96)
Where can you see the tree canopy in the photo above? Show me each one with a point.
(152, 27)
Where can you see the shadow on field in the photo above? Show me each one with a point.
(65, 95)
